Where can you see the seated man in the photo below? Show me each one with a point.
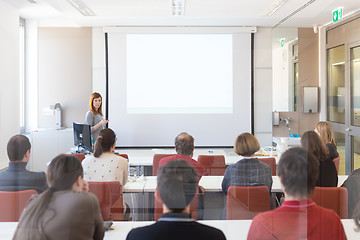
(352, 184)
(16, 177)
(298, 217)
(184, 147)
(177, 186)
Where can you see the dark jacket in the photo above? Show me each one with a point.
(17, 178)
(352, 184)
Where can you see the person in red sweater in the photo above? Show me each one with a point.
(298, 217)
(184, 147)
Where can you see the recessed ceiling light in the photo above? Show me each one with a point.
(274, 7)
(177, 7)
(81, 7)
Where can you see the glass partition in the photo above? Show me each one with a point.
(355, 155)
(336, 84)
(340, 144)
(355, 85)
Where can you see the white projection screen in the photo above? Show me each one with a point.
(162, 82)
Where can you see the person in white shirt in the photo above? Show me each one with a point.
(104, 165)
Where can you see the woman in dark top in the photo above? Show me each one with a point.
(327, 171)
(325, 131)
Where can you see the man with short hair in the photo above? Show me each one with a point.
(184, 147)
(16, 177)
(177, 186)
(298, 217)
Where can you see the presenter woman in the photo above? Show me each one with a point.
(95, 117)
(66, 210)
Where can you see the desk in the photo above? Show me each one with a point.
(233, 229)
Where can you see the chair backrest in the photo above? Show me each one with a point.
(271, 162)
(158, 209)
(214, 165)
(335, 198)
(337, 163)
(80, 156)
(110, 199)
(13, 203)
(156, 160)
(245, 202)
(124, 155)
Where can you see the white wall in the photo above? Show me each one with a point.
(263, 86)
(9, 69)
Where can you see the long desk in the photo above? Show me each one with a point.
(210, 183)
(233, 229)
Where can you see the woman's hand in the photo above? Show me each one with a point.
(101, 123)
(85, 186)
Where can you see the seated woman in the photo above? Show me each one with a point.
(104, 165)
(327, 171)
(248, 171)
(65, 210)
(325, 131)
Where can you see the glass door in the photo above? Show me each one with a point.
(343, 103)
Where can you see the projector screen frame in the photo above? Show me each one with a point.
(251, 30)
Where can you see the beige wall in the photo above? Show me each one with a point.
(9, 69)
(308, 45)
(64, 73)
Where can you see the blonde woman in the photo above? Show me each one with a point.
(325, 131)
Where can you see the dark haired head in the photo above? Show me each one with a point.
(299, 172)
(313, 144)
(105, 141)
(63, 172)
(177, 184)
(184, 144)
(17, 147)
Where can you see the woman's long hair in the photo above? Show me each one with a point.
(325, 131)
(62, 173)
(104, 142)
(313, 144)
(91, 104)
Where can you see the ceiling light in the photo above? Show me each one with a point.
(177, 7)
(32, 1)
(274, 7)
(81, 7)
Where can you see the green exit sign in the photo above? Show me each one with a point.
(337, 14)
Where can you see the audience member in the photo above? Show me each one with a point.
(356, 217)
(248, 171)
(65, 210)
(325, 131)
(16, 177)
(352, 184)
(177, 186)
(184, 147)
(298, 217)
(328, 176)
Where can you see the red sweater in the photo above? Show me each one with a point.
(297, 220)
(199, 167)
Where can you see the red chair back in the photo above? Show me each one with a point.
(271, 162)
(13, 203)
(110, 199)
(80, 156)
(245, 202)
(337, 163)
(156, 160)
(124, 155)
(335, 198)
(214, 165)
(158, 209)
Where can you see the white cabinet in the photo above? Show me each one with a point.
(47, 144)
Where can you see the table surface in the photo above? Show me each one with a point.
(233, 229)
(210, 183)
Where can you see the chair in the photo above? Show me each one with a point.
(110, 199)
(80, 156)
(124, 155)
(244, 202)
(271, 162)
(13, 203)
(337, 163)
(158, 209)
(335, 198)
(214, 164)
(156, 160)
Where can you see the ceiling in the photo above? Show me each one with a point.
(197, 12)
